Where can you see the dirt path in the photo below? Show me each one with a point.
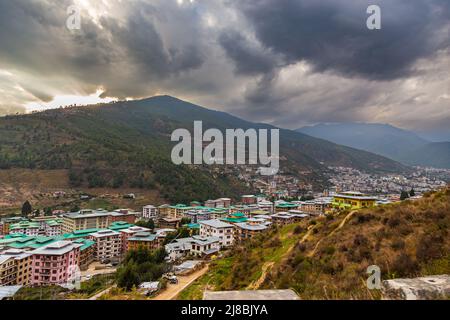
(98, 295)
(172, 290)
(265, 269)
(342, 224)
(268, 265)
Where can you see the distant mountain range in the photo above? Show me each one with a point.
(127, 144)
(386, 140)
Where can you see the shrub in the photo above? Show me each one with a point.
(398, 244)
(404, 265)
(429, 247)
(329, 250)
(393, 222)
(298, 229)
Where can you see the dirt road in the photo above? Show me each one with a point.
(172, 290)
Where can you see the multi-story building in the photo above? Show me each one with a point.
(286, 206)
(150, 212)
(250, 228)
(282, 218)
(25, 227)
(8, 270)
(127, 233)
(219, 229)
(16, 267)
(218, 203)
(87, 253)
(85, 219)
(23, 261)
(108, 244)
(52, 228)
(248, 199)
(123, 215)
(266, 205)
(179, 210)
(144, 240)
(197, 215)
(199, 246)
(54, 263)
(218, 213)
(164, 210)
(353, 200)
(7, 222)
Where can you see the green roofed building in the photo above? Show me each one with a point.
(285, 206)
(120, 225)
(27, 242)
(235, 218)
(25, 227)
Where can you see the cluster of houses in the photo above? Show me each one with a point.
(30, 258)
(43, 250)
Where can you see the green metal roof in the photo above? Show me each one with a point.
(24, 225)
(86, 243)
(235, 220)
(120, 225)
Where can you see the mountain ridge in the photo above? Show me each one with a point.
(127, 143)
(386, 140)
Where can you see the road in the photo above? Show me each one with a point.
(91, 271)
(172, 290)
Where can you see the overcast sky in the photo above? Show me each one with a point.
(285, 62)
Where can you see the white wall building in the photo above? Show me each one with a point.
(197, 246)
(219, 229)
(149, 212)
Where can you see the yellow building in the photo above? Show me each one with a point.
(352, 200)
(8, 271)
(85, 219)
(15, 267)
(23, 262)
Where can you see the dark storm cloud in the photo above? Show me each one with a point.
(34, 38)
(249, 59)
(332, 35)
(285, 62)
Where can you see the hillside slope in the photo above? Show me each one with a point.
(435, 154)
(327, 258)
(383, 139)
(127, 144)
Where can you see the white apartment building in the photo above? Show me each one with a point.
(198, 246)
(150, 212)
(219, 229)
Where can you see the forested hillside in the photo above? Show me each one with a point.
(127, 144)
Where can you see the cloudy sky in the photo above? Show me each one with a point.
(285, 62)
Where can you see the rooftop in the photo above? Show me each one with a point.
(216, 223)
(105, 233)
(57, 248)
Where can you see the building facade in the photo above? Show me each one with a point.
(54, 263)
(216, 228)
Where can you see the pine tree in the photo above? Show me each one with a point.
(26, 208)
(412, 193)
(404, 195)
